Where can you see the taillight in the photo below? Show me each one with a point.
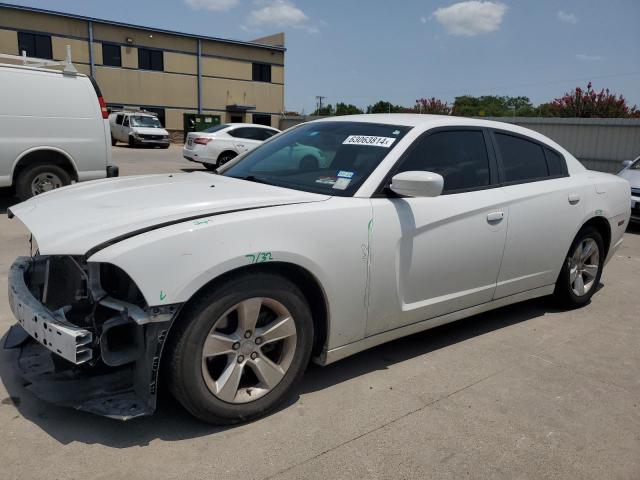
(103, 108)
(201, 140)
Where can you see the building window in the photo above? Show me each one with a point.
(262, 119)
(111, 55)
(150, 59)
(261, 72)
(35, 45)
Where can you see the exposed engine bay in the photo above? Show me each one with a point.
(88, 338)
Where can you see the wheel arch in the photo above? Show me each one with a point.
(602, 225)
(228, 150)
(305, 280)
(44, 154)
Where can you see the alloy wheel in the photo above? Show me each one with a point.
(249, 350)
(583, 266)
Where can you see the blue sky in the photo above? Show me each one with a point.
(359, 52)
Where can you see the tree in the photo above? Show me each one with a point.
(588, 104)
(326, 111)
(432, 105)
(492, 106)
(383, 106)
(344, 109)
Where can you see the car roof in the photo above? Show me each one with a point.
(236, 125)
(427, 121)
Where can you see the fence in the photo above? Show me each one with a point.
(599, 143)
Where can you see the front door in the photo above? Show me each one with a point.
(432, 256)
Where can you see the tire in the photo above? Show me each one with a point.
(132, 142)
(113, 141)
(210, 166)
(192, 379)
(567, 291)
(40, 178)
(226, 157)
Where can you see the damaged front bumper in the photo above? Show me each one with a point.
(94, 352)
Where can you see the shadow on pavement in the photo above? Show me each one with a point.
(633, 228)
(171, 422)
(7, 199)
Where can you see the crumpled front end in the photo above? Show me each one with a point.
(86, 336)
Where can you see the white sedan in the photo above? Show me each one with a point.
(219, 144)
(229, 284)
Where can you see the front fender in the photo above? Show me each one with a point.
(328, 239)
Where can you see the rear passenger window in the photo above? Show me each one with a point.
(556, 164)
(459, 156)
(522, 160)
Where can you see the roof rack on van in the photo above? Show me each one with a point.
(69, 67)
(131, 110)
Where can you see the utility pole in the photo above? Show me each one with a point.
(319, 99)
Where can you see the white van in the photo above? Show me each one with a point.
(53, 127)
(138, 128)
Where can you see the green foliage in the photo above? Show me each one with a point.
(492, 106)
(344, 109)
(386, 107)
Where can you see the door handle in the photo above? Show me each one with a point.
(495, 217)
(574, 199)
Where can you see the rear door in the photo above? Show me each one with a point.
(246, 138)
(433, 256)
(545, 211)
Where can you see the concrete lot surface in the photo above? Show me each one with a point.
(527, 391)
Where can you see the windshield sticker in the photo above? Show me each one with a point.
(384, 142)
(326, 180)
(342, 183)
(344, 174)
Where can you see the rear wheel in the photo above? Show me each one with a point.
(113, 141)
(37, 179)
(226, 157)
(582, 269)
(240, 349)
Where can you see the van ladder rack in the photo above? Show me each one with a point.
(69, 67)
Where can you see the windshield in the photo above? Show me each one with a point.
(333, 158)
(144, 121)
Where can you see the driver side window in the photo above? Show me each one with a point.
(460, 156)
(125, 122)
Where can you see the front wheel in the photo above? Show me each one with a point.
(239, 350)
(132, 142)
(582, 269)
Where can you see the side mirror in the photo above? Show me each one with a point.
(417, 184)
(627, 163)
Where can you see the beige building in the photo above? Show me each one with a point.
(169, 73)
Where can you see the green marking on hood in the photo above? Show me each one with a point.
(162, 295)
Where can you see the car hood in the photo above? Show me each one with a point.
(632, 176)
(80, 218)
(149, 131)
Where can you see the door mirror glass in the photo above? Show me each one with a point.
(417, 184)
